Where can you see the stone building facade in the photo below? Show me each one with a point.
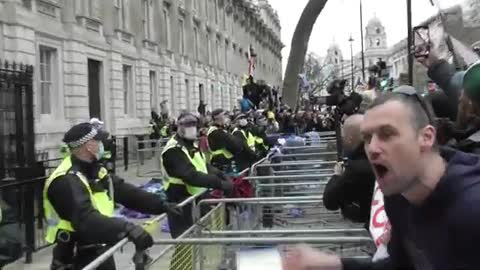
(118, 59)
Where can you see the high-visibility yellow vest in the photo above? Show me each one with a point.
(259, 142)
(198, 161)
(101, 201)
(218, 152)
(164, 131)
(248, 136)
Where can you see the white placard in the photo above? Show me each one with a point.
(379, 224)
(259, 259)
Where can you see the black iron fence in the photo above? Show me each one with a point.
(23, 173)
(18, 169)
(22, 226)
(17, 137)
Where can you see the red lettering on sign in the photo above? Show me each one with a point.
(375, 223)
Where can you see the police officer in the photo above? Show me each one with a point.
(79, 199)
(188, 172)
(223, 145)
(248, 156)
(259, 132)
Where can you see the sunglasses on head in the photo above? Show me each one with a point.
(411, 92)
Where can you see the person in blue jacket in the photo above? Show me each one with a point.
(432, 194)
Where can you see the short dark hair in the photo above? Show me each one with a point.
(421, 116)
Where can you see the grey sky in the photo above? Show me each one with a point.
(341, 17)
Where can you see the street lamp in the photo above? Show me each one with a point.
(361, 41)
(409, 42)
(351, 60)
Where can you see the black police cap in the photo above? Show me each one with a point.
(217, 112)
(82, 133)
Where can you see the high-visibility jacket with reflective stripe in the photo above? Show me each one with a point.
(218, 152)
(101, 201)
(259, 142)
(248, 136)
(198, 161)
(164, 131)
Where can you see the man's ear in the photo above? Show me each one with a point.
(427, 138)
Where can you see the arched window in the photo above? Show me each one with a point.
(377, 42)
(377, 30)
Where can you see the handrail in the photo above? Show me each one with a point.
(293, 176)
(297, 231)
(298, 163)
(266, 240)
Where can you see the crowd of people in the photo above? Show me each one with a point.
(422, 152)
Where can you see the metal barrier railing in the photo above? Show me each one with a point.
(287, 194)
(154, 162)
(111, 251)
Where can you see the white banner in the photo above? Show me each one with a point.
(379, 224)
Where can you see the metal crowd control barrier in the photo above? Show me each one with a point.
(151, 225)
(212, 244)
(288, 209)
(149, 154)
(111, 251)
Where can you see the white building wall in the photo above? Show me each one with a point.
(77, 36)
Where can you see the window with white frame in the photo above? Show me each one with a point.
(166, 25)
(47, 78)
(148, 19)
(195, 42)
(181, 38)
(153, 89)
(212, 96)
(127, 89)
(92, 8)
(122, 14)
(172, 93)
(187, 92)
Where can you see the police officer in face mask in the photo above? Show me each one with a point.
(79, 200)
(248, 156)
(223, 145)
(188, 172)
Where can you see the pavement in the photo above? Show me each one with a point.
(137, 175)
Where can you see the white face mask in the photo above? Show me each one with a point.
(243, 122)
(262, 122)
(226, 121)
(190, 133)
